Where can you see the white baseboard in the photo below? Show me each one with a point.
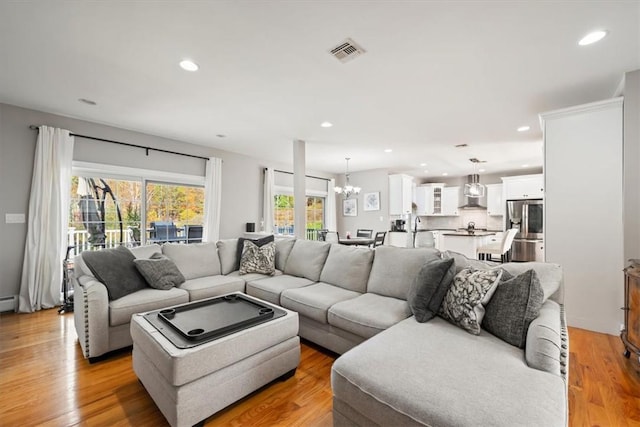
(8, 303)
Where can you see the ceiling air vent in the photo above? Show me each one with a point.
(347, 50)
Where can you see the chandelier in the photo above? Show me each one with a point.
(474, 188)
(348, 189)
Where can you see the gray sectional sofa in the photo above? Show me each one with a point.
(353, 301)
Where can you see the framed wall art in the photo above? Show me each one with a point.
(372, 201)
(350, 207)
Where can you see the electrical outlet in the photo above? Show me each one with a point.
(621, 327)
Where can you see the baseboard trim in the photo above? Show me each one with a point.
(8, 304)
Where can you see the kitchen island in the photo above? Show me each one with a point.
(465, 243)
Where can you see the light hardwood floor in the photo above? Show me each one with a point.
(44, 380)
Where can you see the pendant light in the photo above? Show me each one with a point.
(474, 188)
(348, 189)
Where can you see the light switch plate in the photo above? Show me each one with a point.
(14, 218)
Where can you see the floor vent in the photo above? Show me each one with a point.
(347, 50)
(7, 304)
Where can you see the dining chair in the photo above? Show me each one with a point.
(379, 239)
(332, 237)
(193, 233)
(361, 232)
(322, 234)
(424, 239)
(502, 248)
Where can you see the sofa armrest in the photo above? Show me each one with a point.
(91, 316)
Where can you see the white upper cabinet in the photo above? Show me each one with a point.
(437, 200)
(400, 192)
(495, 200)
(450, 201)
(523, 187)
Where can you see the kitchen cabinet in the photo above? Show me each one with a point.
(399, 239)
(450, 201)
(495, 200)
(429, 199)
(400, 192)
(523, 187)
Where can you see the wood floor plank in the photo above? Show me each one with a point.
(49, 383)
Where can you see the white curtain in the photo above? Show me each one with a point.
(46, 244)
(212, 200)
(267, 205)
(330, 220)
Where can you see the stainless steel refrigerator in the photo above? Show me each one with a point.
(527, 217)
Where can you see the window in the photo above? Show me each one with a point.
(104, 212)
(113, 206)
(283, 215)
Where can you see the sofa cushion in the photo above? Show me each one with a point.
(368, 314)
(121, 310)
(159, 271)
(348, 267)
(543, 349)
(258, 242)
(429, 288)
(253, 276)
(306, 259)
(270, 289)
(116, 270)
(212, 286)
(470, 291)
(394, 269)
(314, 301)
(258, 259)
(146, 251)
(227, 252)
(436, 374)
(515, 303)
(283, 249)
(195, 260)
(550, 274)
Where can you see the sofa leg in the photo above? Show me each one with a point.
(287, 375)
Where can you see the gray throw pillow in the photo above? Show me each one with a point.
(258, 259)
(429, 288)
(514, 305)
(464, 302)
(116, 270)
(160, 272)
(258, 242)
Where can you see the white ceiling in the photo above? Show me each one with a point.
(435, 74)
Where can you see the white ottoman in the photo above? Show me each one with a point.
(188, 385)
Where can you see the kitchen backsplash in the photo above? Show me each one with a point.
(478, 216)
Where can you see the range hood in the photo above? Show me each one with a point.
(472, 202)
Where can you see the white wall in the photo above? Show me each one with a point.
(242, 176)
(370, 181)
(583, 210)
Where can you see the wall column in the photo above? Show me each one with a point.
(299, 189)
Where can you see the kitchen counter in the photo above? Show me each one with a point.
(466, 233)
(465, 243)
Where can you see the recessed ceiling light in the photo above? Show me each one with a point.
(444, 174)
(87, 101)
(523, 128)
(221, 135)
(388, 150)
(525, 166)
(423, 164)
(326, 124)
(592, 37)
(481, 170)
(426, 171)
(189, 65)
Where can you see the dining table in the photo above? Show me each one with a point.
(357, 241)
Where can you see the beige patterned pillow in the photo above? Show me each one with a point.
(464, 302)
(258, 259)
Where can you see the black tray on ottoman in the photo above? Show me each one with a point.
(195, 323)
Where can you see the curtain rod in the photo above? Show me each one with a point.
(291, 173)
(130, 145)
